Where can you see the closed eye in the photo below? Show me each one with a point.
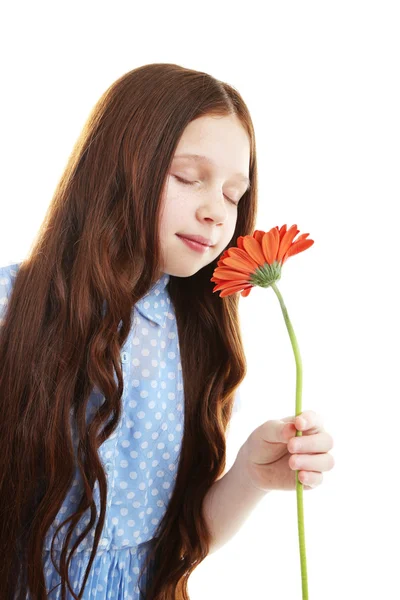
(193, 182)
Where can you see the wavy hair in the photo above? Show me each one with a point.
(98, 246)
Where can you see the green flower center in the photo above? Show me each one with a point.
(267, 274)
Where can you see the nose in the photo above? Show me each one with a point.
(214, 207)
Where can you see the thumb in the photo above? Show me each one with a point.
(278, 431)
(287, 428)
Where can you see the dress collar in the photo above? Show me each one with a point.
(150, 304)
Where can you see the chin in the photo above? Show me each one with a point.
(184, 270)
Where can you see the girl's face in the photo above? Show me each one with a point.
(208, 207)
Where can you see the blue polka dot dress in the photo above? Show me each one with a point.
(140, 457)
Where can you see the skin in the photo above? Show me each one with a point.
(203, 208)
(272, 453)
(269, 456)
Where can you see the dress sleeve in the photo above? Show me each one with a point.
(7, 276)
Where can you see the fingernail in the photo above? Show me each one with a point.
(303, 422)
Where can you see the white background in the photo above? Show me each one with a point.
(321, 80)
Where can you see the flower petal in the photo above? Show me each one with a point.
(257, 259)
(253, 248)
(286, 241)
(231, 289)
(240, 265)
(243, 257)
(298, 246)
(226, 274)
(270, 245)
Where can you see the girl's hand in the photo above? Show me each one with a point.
(272, 453)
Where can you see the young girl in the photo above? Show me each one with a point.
(119, 367)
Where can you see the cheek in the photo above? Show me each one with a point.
(172, 214)
(231, 229)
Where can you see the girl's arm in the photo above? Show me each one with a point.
(229, 502)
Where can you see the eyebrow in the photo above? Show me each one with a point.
(206, 159)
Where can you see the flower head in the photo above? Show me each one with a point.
(257, 259)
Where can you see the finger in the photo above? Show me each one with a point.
(318, 442)
(312, 462)
(309, 421)
(310, 479)
(306, 420)
(273, 432)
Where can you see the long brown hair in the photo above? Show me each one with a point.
(99, 244)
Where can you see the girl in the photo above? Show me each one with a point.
(118, 365)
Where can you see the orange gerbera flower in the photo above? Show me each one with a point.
(257, 259)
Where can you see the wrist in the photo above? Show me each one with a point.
(247, 473)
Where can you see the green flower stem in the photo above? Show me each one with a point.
(299, 485)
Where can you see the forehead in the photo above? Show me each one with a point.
(202, 159)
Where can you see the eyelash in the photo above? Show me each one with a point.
(193, 182)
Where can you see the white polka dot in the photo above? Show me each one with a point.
(145, 446)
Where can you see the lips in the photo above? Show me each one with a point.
(197, 238)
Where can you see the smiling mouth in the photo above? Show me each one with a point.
(194, 245)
